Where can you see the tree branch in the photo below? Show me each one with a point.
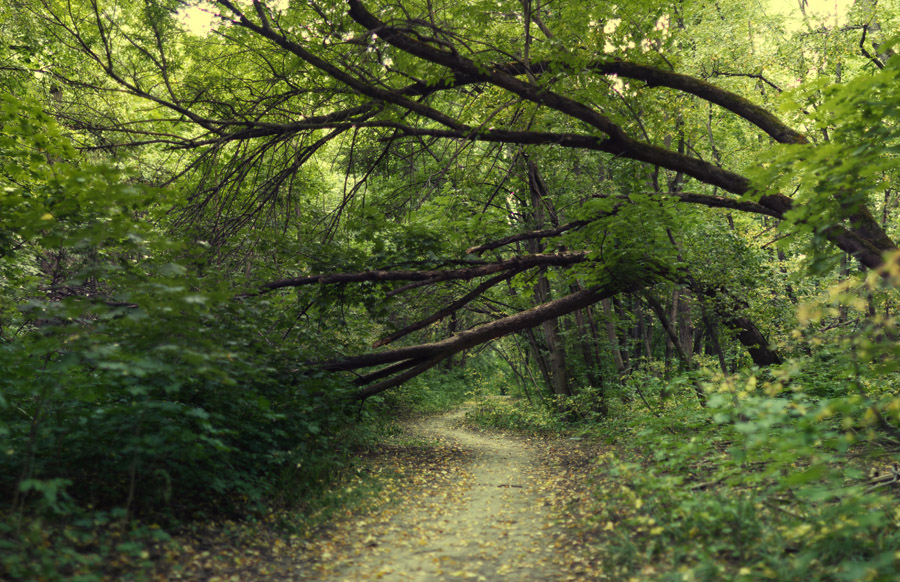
(548, 233)
(436, 275)
(467, 298)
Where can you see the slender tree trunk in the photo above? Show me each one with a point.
(591, 358)
(559, 372)
(685, 326)
(451, 329)
(645, 329)
(538, 352)
(672, 338)
(612, 336)
(541, 207)
(667, 326)
(624, 335)
(713, 338)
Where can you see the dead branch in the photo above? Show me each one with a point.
(434, 276)
(470, 296)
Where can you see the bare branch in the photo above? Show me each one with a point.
(513, 264)
(535, 234)
(456, 305)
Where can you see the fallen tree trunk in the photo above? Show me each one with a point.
(414, 360)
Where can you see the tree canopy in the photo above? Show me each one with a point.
(219, 243)
(255, 105)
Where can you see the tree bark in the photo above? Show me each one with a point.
(559, 372)
(591, 357)
(665, 321)
(753, 339)
(539, 353)
(685, 325)
(613, 337)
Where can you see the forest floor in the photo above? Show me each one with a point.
(454, 503)
(487, 517)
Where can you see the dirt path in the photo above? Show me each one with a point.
(442, 503)
(487, 522)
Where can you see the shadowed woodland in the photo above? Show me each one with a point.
(249, 249)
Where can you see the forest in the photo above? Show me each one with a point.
(245, 243)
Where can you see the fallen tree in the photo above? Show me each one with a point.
(404, 363)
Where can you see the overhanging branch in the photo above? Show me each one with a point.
(459, 303)
(436, 275)
(416, 359)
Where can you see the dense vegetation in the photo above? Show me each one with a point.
(665, 224)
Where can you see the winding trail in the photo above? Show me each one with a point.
(487, 522)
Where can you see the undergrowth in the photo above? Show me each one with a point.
(439, 390)
(508, 413)
(766, 483)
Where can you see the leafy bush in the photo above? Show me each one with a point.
(506, 413)
(148, 421)
(131, 385)
(777, 488)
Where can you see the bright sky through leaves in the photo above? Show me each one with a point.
(200, 17)
(814, 8)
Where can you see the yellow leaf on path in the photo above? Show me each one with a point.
(383, 572)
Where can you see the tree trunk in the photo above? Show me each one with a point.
(591, 358)
(666, 322)
(645, 330)
(753, 339)
(540, 202)
(451, 329)
(612, 336)
(559, 372)
(685, 324)
(624, 335)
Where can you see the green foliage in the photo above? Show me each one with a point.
(433, 392)
(89, 545)
(133, 386)
(187, 423)
(443, 388)
(777, 488)
(138, 380)
(850, 171)
(506, 413)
